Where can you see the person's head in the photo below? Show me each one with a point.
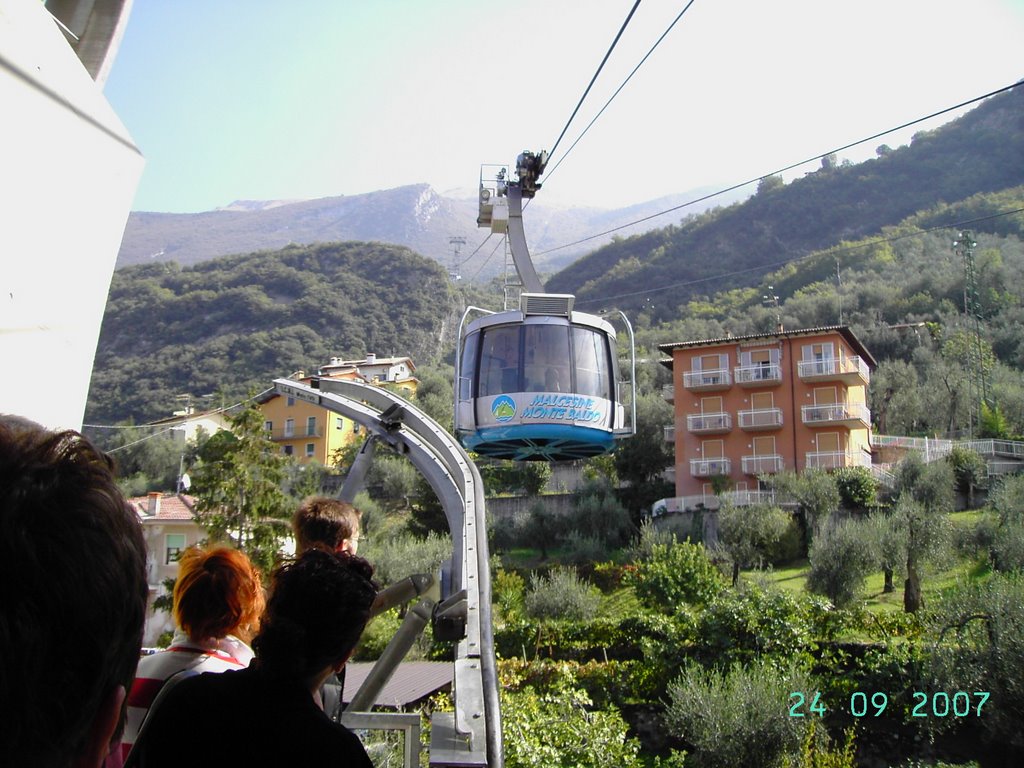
(217, 593)
(72, 598)
(318, 607)
(328, 523)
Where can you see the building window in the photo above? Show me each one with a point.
(288, 450)
(175, 543)
(355, 428)
(311, 426)
(339, 423)
(289, 427)
(310, 448)
(268, 426)
(291, 401)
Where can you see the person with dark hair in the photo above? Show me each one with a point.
(72, 599)
(218, 600)
(266, 714)
(330, 524)
(326, 522)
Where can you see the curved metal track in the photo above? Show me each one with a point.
(473, 737)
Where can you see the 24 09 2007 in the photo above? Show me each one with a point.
(861, 704)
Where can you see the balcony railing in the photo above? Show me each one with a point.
(758, 375)
(710, 467)
(849, 414)
(703, 381)
(709, 423)
(761, 418)
(677, 504)
(669, 393)
(292, 434)
(670, 434)
(836, 459)
(762, 465)
(851, 370)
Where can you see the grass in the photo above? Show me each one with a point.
(936, 580)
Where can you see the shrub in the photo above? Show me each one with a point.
(751, 623)
(674, 575)
(561, 594)
(508, 592)
(583, 549)
(858, 490)
(561, 729)
(600, 515)
(403, 555)
(736, 718)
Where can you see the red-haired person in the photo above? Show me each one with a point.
(218, 600)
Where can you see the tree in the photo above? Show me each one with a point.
(925, 495)
(641, 459)
(768, 183)
(746, 534)
(237, 487)
(969, 469)
(982, 624)
(814, 490)
(841, 558)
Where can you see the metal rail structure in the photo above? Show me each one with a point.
(459, 607)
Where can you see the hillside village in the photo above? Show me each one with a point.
(801, 543)
(824, 429)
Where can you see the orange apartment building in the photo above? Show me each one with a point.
(311, 433)
(753, 405)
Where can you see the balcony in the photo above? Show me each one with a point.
(709, 423)
(836, 459)
(710, 467)
(760, 419)
(848, 370)
(837, 414)
(707, 381)
(669, 393)
(670, 434)
(762, 465)
(758, 375)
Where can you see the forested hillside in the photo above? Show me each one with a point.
(902, 292)
(659, 272)
(236, 322)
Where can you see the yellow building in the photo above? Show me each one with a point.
(311, 433)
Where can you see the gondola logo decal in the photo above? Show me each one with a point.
(552, 407)
(503, 408)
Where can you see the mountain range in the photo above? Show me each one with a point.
(415, 216)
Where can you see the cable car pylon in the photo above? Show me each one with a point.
(457, 603)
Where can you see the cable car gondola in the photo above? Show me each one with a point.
(541, 382)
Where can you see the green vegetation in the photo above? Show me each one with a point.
(237, 322)
(620, 642)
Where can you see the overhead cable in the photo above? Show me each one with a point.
(547, 175)
(594, 78)
(789, 167)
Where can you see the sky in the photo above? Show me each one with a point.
(263, 100)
